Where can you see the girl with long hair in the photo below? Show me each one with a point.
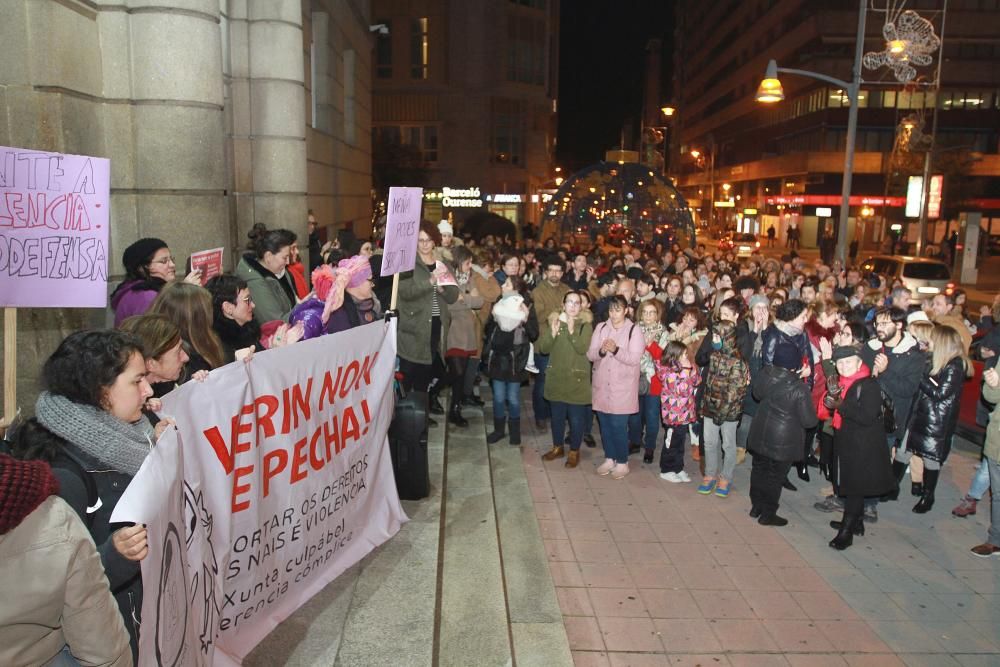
(190, 308)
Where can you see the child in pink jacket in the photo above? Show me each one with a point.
(679, 380)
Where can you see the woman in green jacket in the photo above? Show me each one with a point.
(265, 270)
(567, 386)
(424, 318)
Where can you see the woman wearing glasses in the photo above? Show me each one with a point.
(148, 267)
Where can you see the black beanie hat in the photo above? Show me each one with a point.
(787, 356)
(139, 254)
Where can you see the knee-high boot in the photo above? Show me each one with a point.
(515, 431)
(898, 470)
(926, 501)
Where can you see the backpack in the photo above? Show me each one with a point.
(887, 409)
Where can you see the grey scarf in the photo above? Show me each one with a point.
(100, 434)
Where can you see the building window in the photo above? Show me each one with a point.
(424, 138)
(383, 51)
(508, 133)
(525, 50)
(419, 49)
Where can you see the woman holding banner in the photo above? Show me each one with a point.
(424, 295)
(90, 427)
(265, 270)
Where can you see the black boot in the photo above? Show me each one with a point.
(455, 415)
(898, 470)
(845, 535)
(916, 489)
(926, 501)
(498, 430)
(803, 470)
(788, 486)
(434, 405)
(515, 432)
(859, 528)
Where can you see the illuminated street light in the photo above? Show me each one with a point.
(696, 154)
(770, 89)
(668, 111)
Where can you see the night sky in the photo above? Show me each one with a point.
(601, 71)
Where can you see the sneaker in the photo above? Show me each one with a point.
(606, 467)
(985, 550)
(531, 368)
(619, 471)
(671, 477)
(830, 504)
(722, 492)
(871, 514)
(648, 458)
(683, 476)
(965, 508)
(706, 487)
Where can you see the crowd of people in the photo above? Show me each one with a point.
(803, 364)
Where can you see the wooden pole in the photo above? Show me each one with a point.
(9, 364)
(395, 291)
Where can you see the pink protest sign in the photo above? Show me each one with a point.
(401, 229)
(209, 262)
(53, 229)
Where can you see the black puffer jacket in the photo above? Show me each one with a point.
(774, 336)
(935, 412)
(785, 412)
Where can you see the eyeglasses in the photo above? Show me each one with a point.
(246, 299)
(164, 261)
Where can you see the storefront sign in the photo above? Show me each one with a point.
(824, 212)
(505, 199)
(934, 196)
(834, 200)
(914, 193)
(468, 198)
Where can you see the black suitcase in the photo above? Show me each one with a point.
(408, 446)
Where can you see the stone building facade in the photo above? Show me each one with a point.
(215, 114)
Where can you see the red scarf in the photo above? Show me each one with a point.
(845, 384)
(24, 485)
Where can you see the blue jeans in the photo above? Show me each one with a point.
(648, 417)
(980, 481)
(538, 402)
(506, 398)
(576, 415)
(614, 436)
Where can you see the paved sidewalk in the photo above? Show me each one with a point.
(652, 573)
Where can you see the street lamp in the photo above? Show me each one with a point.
(770, 90)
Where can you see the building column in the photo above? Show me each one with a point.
(267, 93)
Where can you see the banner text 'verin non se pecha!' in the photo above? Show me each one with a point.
(272, 415)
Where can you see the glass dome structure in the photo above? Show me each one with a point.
(617, 201)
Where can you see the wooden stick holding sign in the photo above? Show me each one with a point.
(9, 365)
(402, 228)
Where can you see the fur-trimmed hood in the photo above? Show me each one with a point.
(585, 316)
(907, 343)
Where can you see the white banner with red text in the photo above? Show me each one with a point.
(287, 482)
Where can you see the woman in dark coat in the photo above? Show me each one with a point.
(935, 412)
(778, 429)
(858, 441)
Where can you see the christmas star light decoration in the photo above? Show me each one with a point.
(909, 41)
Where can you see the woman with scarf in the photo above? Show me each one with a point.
(655, 336)
(164, 351)
(56, 606)
(148, 267)
(463, 342)
(855, 405)
(509, 334)
(89, 426)
(820, 329)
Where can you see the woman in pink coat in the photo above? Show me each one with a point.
(616, 349)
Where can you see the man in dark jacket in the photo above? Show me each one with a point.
(788, 329)
(778, 430)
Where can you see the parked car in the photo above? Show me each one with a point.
(743, 245)
(922, 276)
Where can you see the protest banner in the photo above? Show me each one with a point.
(287, 482)
(209, 262)
(53, 229)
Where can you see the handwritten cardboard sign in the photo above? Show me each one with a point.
(53, 229)
(209, 262)
(401, 230)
